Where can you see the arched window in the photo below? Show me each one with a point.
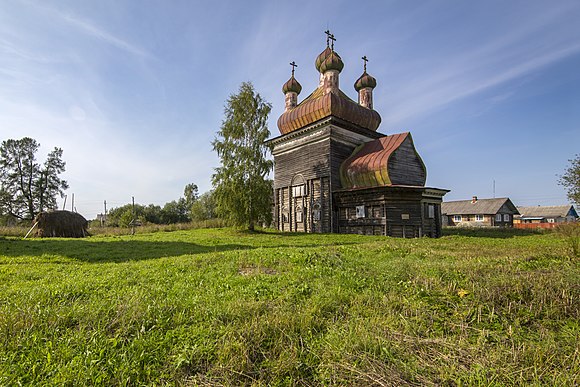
(299, 186)
(299, 217)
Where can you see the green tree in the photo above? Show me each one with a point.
(241, 190)
(571, 180)
(27, 187)
(190, 194)
(204, 207)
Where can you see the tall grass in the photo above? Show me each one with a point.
(224, 307)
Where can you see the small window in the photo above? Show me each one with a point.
(360, 211)
(506, 217)
(299, 215)
(498, 217)
(479, 218)
(431, 211)
(551, 220)
(316, 212)
(299, 190)
(457, 218)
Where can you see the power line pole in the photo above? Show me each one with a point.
(105, 218)
(72, 205)
(133, 220)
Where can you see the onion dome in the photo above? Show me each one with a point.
(292, 85)
(364, 81)
(331, 62)
(320, 58)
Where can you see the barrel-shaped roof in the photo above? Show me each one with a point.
(319, 105)
(389, 160)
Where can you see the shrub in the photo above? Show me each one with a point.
(571, 234)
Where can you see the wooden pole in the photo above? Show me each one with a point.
(31, 228)
(133, 220)
(105, 220)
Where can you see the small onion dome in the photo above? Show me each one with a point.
(365, 80)
(292, 85)
(331, 62)
(320, 58)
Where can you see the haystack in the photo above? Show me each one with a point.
(61, 224)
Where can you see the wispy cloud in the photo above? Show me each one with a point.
(96, 32)
(92, 29)
(523, 50)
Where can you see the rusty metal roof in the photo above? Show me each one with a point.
(368, 166)
(319, 105)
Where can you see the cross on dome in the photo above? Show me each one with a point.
(330, 37)
(294, 65)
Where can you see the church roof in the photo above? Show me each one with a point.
(389, 160)
(319, 105)
(292, 85)
(365, 80)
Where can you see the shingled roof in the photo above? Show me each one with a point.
(477, 207)
(547, 211)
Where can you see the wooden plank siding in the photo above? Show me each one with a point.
(392, 211)
(309, 197)
(405, 165)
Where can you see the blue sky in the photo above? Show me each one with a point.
(134, 91)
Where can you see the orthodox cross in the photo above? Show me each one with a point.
(366, 60)
(330, 37)
(293, 64)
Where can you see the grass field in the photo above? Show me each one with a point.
(225, 307)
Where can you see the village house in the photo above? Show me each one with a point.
(546, 214)
(479, 213)
(333, 172)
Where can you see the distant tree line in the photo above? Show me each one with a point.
(190, 207)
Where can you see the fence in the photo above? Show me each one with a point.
(535, 225)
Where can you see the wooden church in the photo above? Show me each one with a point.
(333, 172)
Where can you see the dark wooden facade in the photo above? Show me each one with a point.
(398, 211)
(309, 196)
(333, 172)
(307, 171)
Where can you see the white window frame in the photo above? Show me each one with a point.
(360, 212)
(431, 211)
(298, 190)
(506, 217)
(479, 218)
(457, 218)
(498, 217)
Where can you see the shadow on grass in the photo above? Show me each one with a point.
(125, 250)
(488, 232)
(109, 251)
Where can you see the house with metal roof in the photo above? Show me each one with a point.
(333, 172)
(546, 214)
(497, 212)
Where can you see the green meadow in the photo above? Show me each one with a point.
(226, 307)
